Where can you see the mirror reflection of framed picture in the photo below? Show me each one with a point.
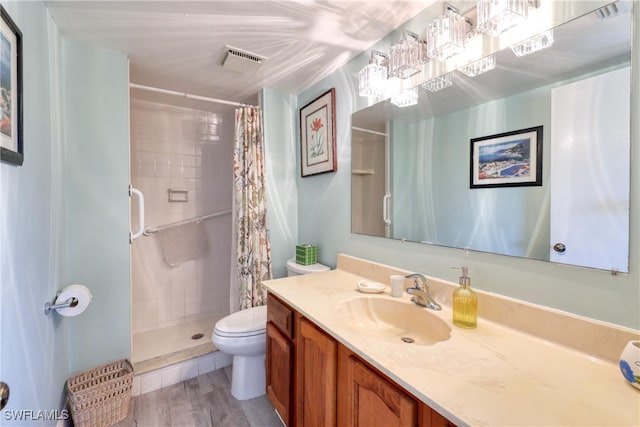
(11, 130)
(318, 135)
(511, 159)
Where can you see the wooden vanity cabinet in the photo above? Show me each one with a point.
(280, 358)
(316, 375)
(312, 380)
(366, 398)
(438, 420)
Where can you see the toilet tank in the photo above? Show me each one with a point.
(295, 269)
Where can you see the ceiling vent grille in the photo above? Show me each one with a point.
(610, 10)
(241, 61)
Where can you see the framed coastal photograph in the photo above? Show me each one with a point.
(11, 91)
(511, 159)
(318, 135)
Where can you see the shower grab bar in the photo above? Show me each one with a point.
(135, 192)
(385, 209)
(149, 231)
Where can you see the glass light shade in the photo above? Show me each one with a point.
(534, 44)
(372, 79)
(497, 16)
(405, 57)
(438, 83)
(406, 98)
(480, 66)
(445, 36)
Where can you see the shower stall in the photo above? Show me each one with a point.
(181, 161)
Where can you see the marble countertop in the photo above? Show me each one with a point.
(489, 376)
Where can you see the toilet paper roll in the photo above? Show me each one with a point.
(81, 293)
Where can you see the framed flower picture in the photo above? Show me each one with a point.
(318, 135)
(11, 91)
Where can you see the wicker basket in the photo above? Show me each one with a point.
(100, 396)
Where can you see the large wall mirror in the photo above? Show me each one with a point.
(411, 167)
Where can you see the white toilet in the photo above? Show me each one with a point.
(295, 269)
(243, 335)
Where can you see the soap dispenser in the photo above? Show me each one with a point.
(465, 302)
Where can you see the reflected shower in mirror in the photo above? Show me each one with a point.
(411, 166)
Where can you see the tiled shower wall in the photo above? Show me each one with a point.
(178, 148)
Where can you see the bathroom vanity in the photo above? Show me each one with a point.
(332, 385)
(332, 361)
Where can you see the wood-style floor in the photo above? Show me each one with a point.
(200, 402)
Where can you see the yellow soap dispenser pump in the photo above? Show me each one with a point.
(465, 302)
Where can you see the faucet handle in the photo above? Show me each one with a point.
(410, 291)
(419, 281)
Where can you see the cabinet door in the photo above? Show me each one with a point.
(368, 399)
(280, 360)
(316, 364)
(438, 420)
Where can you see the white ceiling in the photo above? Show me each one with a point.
(178, 45)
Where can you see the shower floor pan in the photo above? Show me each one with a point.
(172, 344)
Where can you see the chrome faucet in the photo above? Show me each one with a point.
(421, 293)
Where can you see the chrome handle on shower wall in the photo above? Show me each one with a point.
(140, 197)
(385, 209)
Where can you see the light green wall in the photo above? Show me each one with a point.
(96, 125)
(324, 218)
(64, 214)
(280, 164)
(34, 348)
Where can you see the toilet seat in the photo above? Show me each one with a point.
(243, 323)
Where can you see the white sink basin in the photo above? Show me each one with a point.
(393, 321)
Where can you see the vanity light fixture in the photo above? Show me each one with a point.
(497, 16)
(446, 35)
(534, 44)
(480, 66)
(405, 57)
(406, 98)
(438, 83)
(372, 79)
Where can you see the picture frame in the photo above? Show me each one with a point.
(318, 135)
(11, 119)
(510, 159)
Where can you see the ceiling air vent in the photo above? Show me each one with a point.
(240, 60)
(610, 10)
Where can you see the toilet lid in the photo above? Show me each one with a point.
(292, 265)
(251, 321)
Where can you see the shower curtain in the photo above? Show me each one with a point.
(252, 261)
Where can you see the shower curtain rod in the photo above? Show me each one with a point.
(189, 96)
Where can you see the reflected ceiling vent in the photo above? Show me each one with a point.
(241, 61)
(611, 10)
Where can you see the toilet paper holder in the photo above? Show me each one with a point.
(48, 307)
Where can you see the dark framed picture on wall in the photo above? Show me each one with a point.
(11, 150)
(510, 159)
(318, 135)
